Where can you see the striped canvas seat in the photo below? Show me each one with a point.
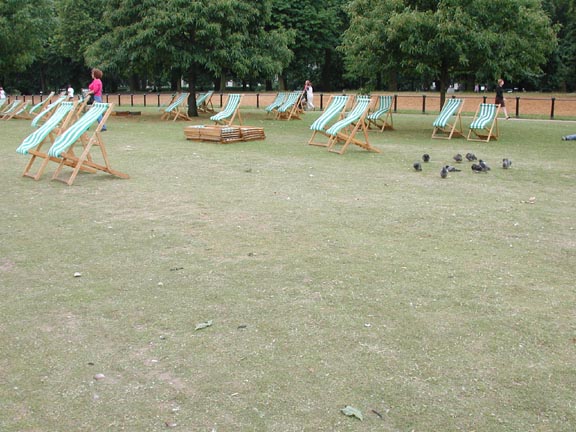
(278, 101)
(204, 102)
(442, 127)
(12, 109)
(484, 126)
(291, 106)
(381, 118)
(177, 108)
(63, 147)
(345, 130)
(34, 142)
(47, 112)
(335, 108)
(230, 111)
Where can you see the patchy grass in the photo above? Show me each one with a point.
(427, 304)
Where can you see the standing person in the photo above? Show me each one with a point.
(95, 89)
(2, 93)
(309, 91)
(70, 92)
(500, 97)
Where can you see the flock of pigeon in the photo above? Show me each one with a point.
(480, 167)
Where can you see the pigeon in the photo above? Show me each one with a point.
(417, 166)
(444, 172)
(483, 165)
(458, 158)
(471, 157)
(477, 168)
(451, 169)
(426, 157)
(506, 163)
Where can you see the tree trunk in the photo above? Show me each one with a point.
(192, 109)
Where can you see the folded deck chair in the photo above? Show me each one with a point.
(14, 108)
(204, 102)
(381, 118)
(231, 110)
(443, 129)
(80, 133)
(33, 143)
(344, 131)
(177, 109)
(291, 107)
(335, 108)
(484, 126)
(278, 101)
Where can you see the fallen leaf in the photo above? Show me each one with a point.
(352, 412)
(203, 325)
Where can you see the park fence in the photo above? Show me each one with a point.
(518, 106)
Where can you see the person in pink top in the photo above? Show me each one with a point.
(95, 88)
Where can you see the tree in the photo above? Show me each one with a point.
(191, 37)
(25, 27)
(450, 38)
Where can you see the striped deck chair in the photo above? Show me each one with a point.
(79, 133)
(45, 114)
(172, 99)
(280, 98)
(231, 110)
(33, 143)
(13, 109)
(344, 131)
(443, 129)
(291, 106)
(35, 109)
(335, 108)
(204, 102)
(381, 118)
(178, 108)
(484, 126)
(3, 101)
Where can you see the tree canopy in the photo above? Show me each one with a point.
(338, 44)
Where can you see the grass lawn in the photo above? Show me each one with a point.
(428, 304)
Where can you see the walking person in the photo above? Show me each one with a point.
(95, 89)
(500, 97)
(309, 91)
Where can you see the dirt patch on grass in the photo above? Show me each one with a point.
(6, 265)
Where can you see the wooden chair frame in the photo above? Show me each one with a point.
(230, 111)
(177, 109)
(335, 108)
(381, 118)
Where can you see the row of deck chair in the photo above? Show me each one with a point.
(64, 130)
(178, 106)
(286, 106)
(484, 125)
(337, 127)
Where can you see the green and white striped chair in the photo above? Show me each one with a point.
(381, 118)
(79, 133)
(3, 101)
(443, 129)
(291, 107)
(14, 108)
(35, 109)
(278, 101)
(344, 131)
(335, 108)
(45, 114)
(33, 143)
(178, 108)
(231, 110)
(204, 102)
(484, 126)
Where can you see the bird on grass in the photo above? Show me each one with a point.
(450, 168)
(484, 166)
(471, 157)
(458, 158)
(426, 157)
(477, 168)
(443, 172)
(417, 166)
(506, 163)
